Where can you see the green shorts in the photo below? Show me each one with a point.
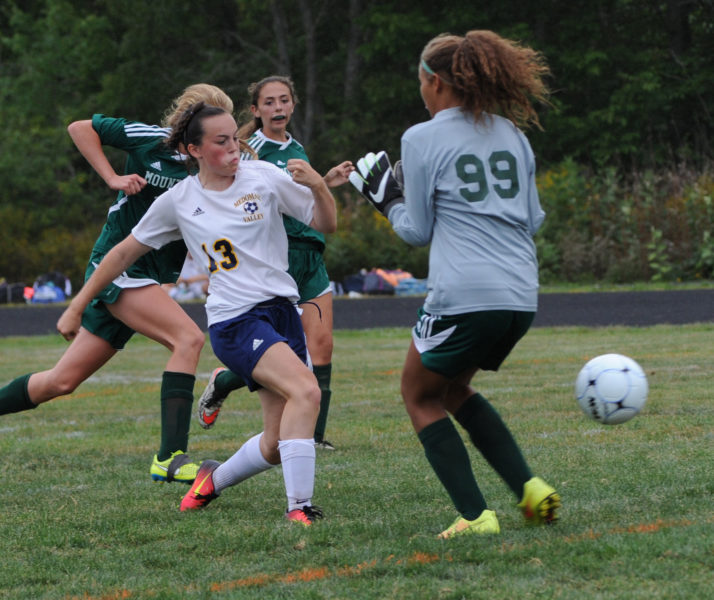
(97, 319)
(451, 344)
(307, 268)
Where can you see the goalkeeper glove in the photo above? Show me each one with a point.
(375, 180)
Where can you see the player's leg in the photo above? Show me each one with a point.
(150, 311)
(276, 366)
(258, 454)
(423, 391)
(306, 266)
(480, 340)
(84, 356)
(317, 320)
(538, 501)
(489, 434)
(287, 379)
(496, 334)
(221, 383)
(281, 371)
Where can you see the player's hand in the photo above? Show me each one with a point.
(69, 323)
(129, 184)
(339, 174)
(303, 173)
(374, 179)
(399, 174)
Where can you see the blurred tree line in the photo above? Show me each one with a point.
(624, 158)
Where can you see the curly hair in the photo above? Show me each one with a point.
(490, 74)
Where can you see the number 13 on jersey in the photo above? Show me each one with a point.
(228, 261)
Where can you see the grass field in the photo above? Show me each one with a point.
(82, 519)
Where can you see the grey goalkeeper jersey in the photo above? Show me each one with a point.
(470, 191)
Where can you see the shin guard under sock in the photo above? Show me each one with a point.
(494, 441)
(447, 455)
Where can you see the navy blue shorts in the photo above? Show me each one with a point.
(240, 342)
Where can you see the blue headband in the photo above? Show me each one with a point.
(426, 67)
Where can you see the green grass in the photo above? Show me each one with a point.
(82, 519)
(636, 286)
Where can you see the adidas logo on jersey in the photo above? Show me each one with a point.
(197, 212)
(256, 344)
(156, 165)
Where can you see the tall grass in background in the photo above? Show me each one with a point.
(82, 520)
(600, 227)
(648, 227)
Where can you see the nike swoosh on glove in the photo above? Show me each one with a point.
(374, 178)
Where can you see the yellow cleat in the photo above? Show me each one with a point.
(177, 467)
(485, 524)
(540, 502)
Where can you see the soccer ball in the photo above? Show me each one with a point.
(611, 388)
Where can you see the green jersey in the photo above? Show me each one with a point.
(148, 156)
(279, 154)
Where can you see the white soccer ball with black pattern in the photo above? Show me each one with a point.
(611, 389)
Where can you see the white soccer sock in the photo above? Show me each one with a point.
(245, 463)
(298, 458)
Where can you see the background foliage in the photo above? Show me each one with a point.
(625, 156)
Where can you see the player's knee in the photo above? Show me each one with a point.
(197, 341)
(315, 395)
(456, 395)
(308, 393)
(191, 341)
(326, 345)
(320, 348)
(64, 384)
(324, 338)
(409, 403)
(407, 389)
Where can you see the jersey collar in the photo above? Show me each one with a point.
(259, 133)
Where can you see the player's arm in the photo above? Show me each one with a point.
(117, 260)
(89, 144)
(385, 188)
(325, 212)
(339, 174)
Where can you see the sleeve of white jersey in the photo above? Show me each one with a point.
(158, 226)
(294, 199)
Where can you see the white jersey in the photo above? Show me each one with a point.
(470, 191)
(238, 232)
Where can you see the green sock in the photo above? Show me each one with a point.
(14, 397)
(227, 381)
(176, 403)
(495, 442)
(323, 373)
(447, 455)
